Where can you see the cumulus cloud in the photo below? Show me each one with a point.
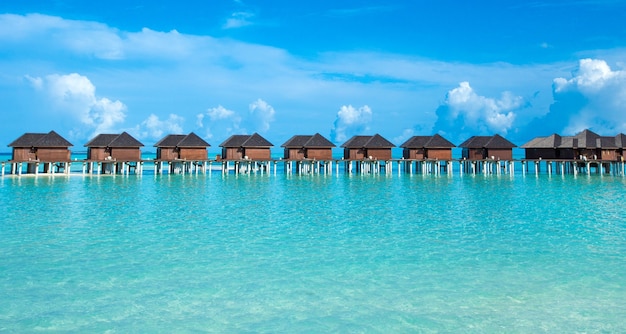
(155, 128)
(593, 97)
(350, 121)
(74, 95)
(106, 114)
(222, 120)
(262, 114)
(220, 112)
(464, 111)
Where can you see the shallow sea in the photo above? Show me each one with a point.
(317, 253)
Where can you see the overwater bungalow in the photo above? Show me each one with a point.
(493, 147)
(246, 147)
(35, 148)
(585, 145)
(550, 147)
(302, 147)
(182, 147)
(119, 147)
(46, 147)
(427, 147)
(367, 147)
(588, 145)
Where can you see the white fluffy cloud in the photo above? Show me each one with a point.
(262, 114)
(220, 112)
(350, 121)
(224, 122)
(74, 95)
(465, 111)
(155, 128)
(594, 97)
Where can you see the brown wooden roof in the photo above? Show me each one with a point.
(587, 139)
(306, 141)
(495, 142)
(620, 140)
(114, 140)
(190, 140)
(101, 140)
(169, 141)
(435, 141)
(50, 139)
(552, 141)
(253, 140)
(375, 141)
(606, 142)
(584, 139)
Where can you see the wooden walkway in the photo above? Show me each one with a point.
(274, 166)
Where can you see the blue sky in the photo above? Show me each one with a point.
(340, 68)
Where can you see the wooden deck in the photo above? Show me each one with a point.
(336, 166)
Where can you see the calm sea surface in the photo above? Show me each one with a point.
(322, 253)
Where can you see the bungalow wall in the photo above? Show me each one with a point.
(379, 153)
(193, 153)
(413, 153)
(500, 154)
(294, 153)
(439, 153)
(319, 153)
(608, 155)
(543, 153)
(126, 153)
(353, 153)
(166, 153)
(258, 153)
(97, 153)
(473, 153)
(232, 153)
(566, 153)
(24, 154)
(53, 154)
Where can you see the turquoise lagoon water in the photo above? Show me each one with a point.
(336, 253)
